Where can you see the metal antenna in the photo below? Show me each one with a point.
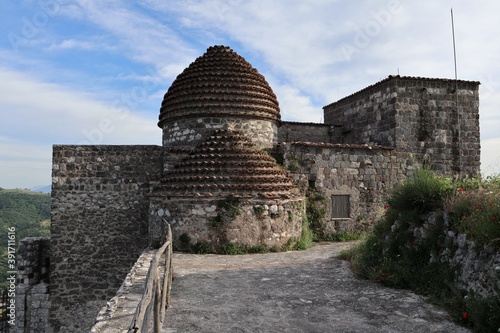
(456, 95)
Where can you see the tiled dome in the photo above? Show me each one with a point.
(228, 164)
(220, 83)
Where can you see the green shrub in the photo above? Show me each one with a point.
(422, 192)
(231, 248)
(184, 239)
(258, 249)
(482, 313)
(202, 248)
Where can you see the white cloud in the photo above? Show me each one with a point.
(146, 38)
(69, 44)
(490, 156)
(58, 114)
(24, 164)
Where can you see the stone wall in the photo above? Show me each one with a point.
(99, 225)
(478, 268)
(366, 117)
(417, 116)
(308, 132)
(32, 290)
(247, 224)
(192, 131)
(364, 173)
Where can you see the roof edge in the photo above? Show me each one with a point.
(398, 77)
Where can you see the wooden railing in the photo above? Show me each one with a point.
(150, 313)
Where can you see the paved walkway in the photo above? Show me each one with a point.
(299, 291)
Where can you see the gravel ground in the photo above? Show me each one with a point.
(297, 291)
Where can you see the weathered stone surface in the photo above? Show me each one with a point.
(118, 313)
(417, 116)
(99, 225)
(216, 196)
(303, 291)
(32, 290)
(343, 169)
(253, 225)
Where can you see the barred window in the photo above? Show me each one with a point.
(341, 206)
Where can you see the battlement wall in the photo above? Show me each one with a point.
(99, 226)
(309, 132)
(417, 116)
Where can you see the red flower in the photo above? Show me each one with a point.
(386, 206)
(494, 218)
(491, 204)
(465, 315)
(460, 189)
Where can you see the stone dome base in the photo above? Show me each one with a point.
(214, 224)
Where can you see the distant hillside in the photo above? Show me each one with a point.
(42, 188)
(28, 212)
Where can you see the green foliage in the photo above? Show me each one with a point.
(290, 243)
(202, 248)
(476, 213)
(278, 157)
(230, 206)
(29, 213)
(483, 313)
(423, 192)
(258, 210)
(258, 249)
(231, 249)
(217, 222)
(306, 236)
(316, 212)
(185, 238)
(293, 164)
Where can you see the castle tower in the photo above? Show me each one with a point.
(220, 187)
(219, 90)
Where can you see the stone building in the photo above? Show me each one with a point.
(231, 172)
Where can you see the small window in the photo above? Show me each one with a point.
(341, 207)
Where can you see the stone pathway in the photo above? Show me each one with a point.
(298, 291)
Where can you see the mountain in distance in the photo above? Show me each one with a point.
(42, 188)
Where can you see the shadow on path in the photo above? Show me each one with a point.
(299, 291)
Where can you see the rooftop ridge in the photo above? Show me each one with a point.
(398, 77)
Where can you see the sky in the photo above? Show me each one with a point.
(95, 72)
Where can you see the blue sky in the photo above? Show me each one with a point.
(89, 71)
